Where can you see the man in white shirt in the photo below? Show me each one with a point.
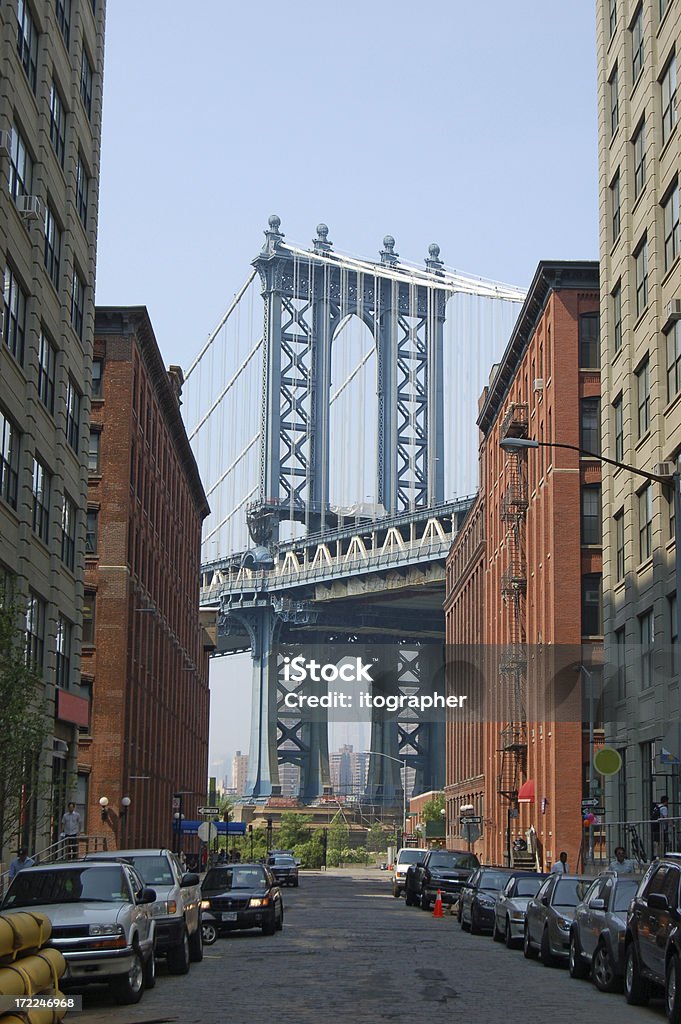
(621, 865)
(20, 862)
(560, 866)
(71, 829)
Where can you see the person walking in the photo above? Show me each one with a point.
(21, 861)
(560, 866)
(71, 827)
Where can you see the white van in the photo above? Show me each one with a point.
(406, 856)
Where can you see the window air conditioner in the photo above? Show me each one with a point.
(663, 468)
(538, 384)
(672, 311)
(30, 207)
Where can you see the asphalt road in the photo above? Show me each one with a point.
(349, 952)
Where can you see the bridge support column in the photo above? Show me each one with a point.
(263, 766)
(384, 783)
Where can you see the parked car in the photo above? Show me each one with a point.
(550, 915)
(511, 906)
(177, 910)
(284, 868)
(406, 856)
(478, 896)
(598, 930)
(239, 896)
(652, 942)
(446, 871)
(101, 922)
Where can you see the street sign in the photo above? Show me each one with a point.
(590, 801)
(209, 810)
(470, 819)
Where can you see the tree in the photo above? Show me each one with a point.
(293, 830)
(24, 727)
(432, 810)
(339, 838)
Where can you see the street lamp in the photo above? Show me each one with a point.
(403, 762)
(125, 803)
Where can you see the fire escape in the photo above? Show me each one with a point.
(513, 657)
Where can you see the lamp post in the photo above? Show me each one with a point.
(402, 761)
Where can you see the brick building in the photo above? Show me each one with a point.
(536, 529)
(145, 654)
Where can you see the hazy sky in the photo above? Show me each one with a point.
(466, 124)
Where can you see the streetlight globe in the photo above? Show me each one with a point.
(103, 802)
(125, 801)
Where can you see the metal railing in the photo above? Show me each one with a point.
(63, 849)
(643, 840)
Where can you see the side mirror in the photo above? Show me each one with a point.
(597, 904)
(190, 878)
(147, 895)
(656, 901)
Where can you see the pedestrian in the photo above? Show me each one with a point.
(620, 864)
(71, 827)
(21, 861)
(659, 826)
(560, 866)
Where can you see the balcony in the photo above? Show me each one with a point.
(514, 582)
(515, 422)
(514, 502)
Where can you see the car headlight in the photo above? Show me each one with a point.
(517, 916)
(163, 908)
(205, 904)
(105, 929)
(257, 902)
(485, 901)
(563, 923)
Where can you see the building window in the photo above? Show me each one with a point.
(641, 260)
(36, 615)
(612, 17)
(670, 209)
(93, 452)
(674, 634)
(89, 619)
(664, 4)
(40, 490)
(589, 341)
(615, 207)
(15, 315)
(614, 102)
(9, 460)
(47, 358)
(637, 45)
(63, 651)
(617, 315)
(674, 361)
(57, 123)
(621, 663)
(91, 534)
(643, 397)
(69, 523)
(82, 190)
(668, 89)
(86, 83)
(52, 245)
(590, 409)
(20, 166)
(619, 428)
(647, 636)
(591, 514)
(63, 11)
(72, 415)
(592, 617)
(645, 523)
(619, 545)
(97, 368)
(77, 303)
(27, 42)
(639, 159)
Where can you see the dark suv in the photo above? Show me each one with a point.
(446, 871)
(652, 942)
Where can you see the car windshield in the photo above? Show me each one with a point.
(492, 880)
(409, 856)
(68, 885)
(624, 894)
(569, 892)
(453, 860)
(527, 886)
(236, 877)
(282, 862)
(154, 869)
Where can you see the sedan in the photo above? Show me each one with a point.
(239, 896)
(511, 906)
(478, 896)
(597, 935)
(550, 915)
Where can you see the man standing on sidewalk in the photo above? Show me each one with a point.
(71, 828)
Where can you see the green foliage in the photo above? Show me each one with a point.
(432, 811)
(294, 830)
(380, 837)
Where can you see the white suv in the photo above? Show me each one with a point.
(406, 856)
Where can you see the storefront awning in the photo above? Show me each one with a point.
(526, 792)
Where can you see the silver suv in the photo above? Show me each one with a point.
(101, 918)
(177, 910)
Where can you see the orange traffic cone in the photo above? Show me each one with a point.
(437, 909)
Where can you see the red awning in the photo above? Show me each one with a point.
(526, 792)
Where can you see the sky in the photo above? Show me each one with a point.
(470, 125)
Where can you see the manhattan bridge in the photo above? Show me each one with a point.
(332, 417)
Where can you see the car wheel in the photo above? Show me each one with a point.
(508, 935)
(210, 933)
(529, 952)
(465, 926)
(425, 902)
(576, 965)
(547, 957)
(603, 971)
(497, 935)
(672, 989)
(475, 921)
(280, 921)
(295, 884)
(178, 956)
(128, 988)
(396, 891)
(635, 987)
(270, 926)
(150, 972)
(196, 946)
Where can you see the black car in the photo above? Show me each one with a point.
(284, 868)
(478, 897)
(652, 941)
(239, 896)
(445, 871)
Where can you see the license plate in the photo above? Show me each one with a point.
(231, 916)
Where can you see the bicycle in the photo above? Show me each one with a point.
(636, 845)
